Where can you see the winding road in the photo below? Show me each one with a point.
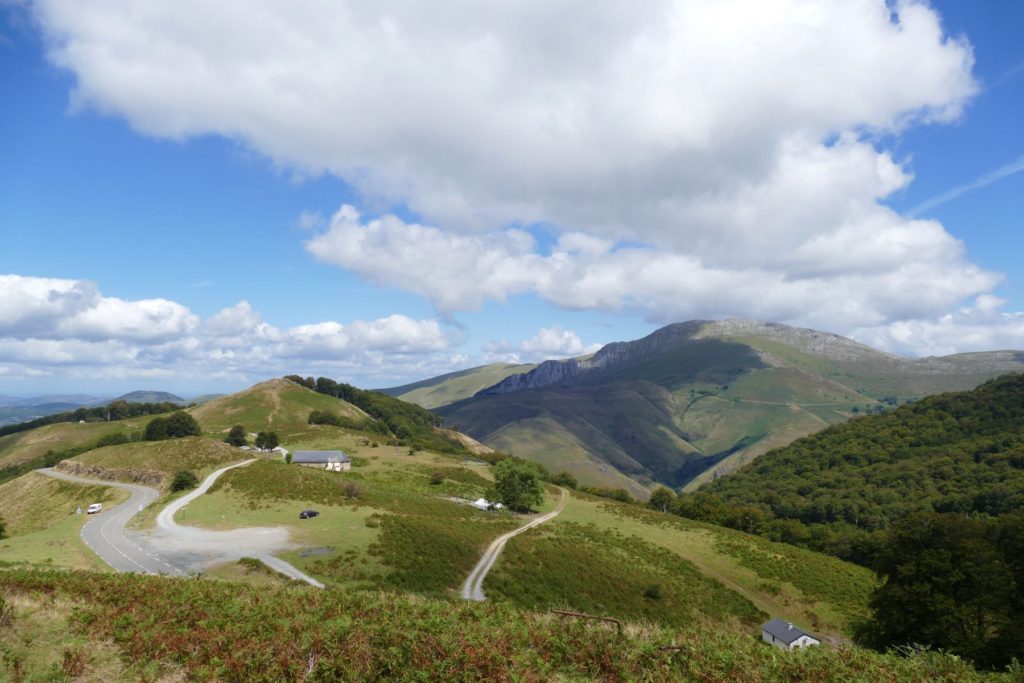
(174, 548)
(473, 587)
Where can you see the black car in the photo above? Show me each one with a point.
(306, 514)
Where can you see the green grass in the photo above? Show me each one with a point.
(824, 595)
(34, 502)
(32, 444)
(58, 545)
(215, 630)
(155, 462)
(440, 391)
(624, 576)
(276, 405)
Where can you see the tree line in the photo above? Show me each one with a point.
(411, 424)
(115, 410)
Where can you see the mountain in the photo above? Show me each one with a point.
(145, 396)
(698, 399)
(959, 452)
(455, 386)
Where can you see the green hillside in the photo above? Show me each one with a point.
(957, 452)
(455, 386)
(395, 522)
(276, 404)
(694, 401)
(131, 627)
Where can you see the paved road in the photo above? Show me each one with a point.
(174, 548)
(104, 533)
(473, 587)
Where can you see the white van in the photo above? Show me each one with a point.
(94, 508)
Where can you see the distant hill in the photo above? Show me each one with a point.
(151, 397)
(455, 386)
(199, 400)
(10, 415)
(698, 399)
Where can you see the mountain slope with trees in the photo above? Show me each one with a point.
(958, 452)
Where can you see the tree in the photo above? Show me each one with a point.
(3, 528)
(184, 479)
(181, 424)
(947, 585)
(662, 499)
(518, 484)
(288, 458)
(565, 479)
(237, 436)
(266, 441)
(156, 430)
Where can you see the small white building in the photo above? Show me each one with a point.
(786, 636)
(332, 461)
(484, 504)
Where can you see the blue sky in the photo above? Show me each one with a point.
(499, 239)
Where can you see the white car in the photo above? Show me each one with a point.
(94, 508)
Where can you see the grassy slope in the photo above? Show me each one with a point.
(211, 630)
(277, 404)
(154, 462)
(718, 573)
(24, 446)
(41, 520)
(455, 386)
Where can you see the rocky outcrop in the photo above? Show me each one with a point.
(78, 469)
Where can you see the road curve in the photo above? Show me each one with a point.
(104, 533)
(473, 586)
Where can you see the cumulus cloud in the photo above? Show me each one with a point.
(863, 275)
(694, 158)
(52, 325)
(556, 342)
(602, 115)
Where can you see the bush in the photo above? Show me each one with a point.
(3, 528)
(517, 484)
(351, 489)
(565, 479)
(184, 479)
(237, 436)
(174, 426)
(437, 478)
(653, 591)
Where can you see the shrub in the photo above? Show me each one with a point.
(74, 662)
(175, 426)
(184, 479)
(564, 479)
(437, 478)
(517, 484)
(351, 489)
(237, 436)
(653, 591)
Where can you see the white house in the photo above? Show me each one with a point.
(484, 504)
(785, 636)
(332, 461)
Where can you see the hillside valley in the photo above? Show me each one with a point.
(693, 401)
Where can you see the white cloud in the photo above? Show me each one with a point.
(694, 158)
(556, 342)
(873, 273)
(67, 325)
(649, 123)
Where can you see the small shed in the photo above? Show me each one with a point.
(785, 636)
(332, 461)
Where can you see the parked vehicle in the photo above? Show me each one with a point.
(307, 514)
(94, 508)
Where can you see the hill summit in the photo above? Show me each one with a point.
(695, 400)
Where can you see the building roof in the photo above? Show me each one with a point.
(319, 457)
(784, 631)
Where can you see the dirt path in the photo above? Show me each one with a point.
(473, 587)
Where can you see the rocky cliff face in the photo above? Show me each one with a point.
(554, 372)
(840, 350)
